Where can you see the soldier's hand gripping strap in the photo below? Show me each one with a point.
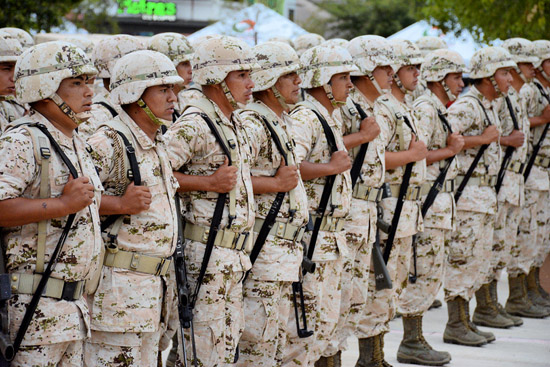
(509, 149)
(400, 199)
(31, 308)
(360, 158)
(185, 312)
(476, 160)
(536, 148)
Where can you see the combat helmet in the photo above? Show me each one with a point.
(41, 69)
(174, 45)
(22, 36)
(438, 64)
(307, 41)
(522, 51)
(541, 48)
(110, 49)
(485, 63)
(405, 53)
(369, 52)
(10, 49)
(428, 44)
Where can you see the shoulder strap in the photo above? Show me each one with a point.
(509, 149)
(109, 108)
(360, 157)
(536, 147)
(400, 119)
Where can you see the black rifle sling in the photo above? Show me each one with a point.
(327, 189)
(400, 200)
(437, 185)
(218, 213)
(31, 308)
(536, 148)
(133, 175)
(275, 206)
(509, 150)
(476, 160)
(110, 108)
(360, 158)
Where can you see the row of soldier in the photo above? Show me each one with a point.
(261, 143)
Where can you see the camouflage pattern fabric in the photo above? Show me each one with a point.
(10, 111)
(108, 349)
(68, 354)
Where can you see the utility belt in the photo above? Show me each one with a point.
(483, 180)
(414, 192)
(364, 192)
(224, 238)
(447, 186)
(541, 161)
(330, 224)
(282, 230)
(22, 283)
(517, 167)
(117, 258)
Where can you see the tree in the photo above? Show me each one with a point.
(491, 19)
(352, 18)
(95, 16)
(35, 14)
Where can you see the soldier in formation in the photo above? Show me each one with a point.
(259, 206)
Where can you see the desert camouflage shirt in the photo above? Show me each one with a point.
(10, 111)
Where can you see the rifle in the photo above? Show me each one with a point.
(185, 312)
(6, 347)
(509, 150)
(536, 148)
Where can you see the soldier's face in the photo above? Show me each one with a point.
(240, 85)
(383, 76)
(527, 69)
(341, 85)
(455, 83)
(289, 87)
(7, 86)
(504, 79)
(160, 99)
(546, 66)
(185, 71)
(409, 76)
(77, 93)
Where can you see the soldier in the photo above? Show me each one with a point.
(10, 109)
(527, 298)
(105, 54)
(24, 38)
(372, 56)
(53, 177)
(442, 71)
(209, 148)
(268, 287)
(426, 45)
(179, 50)
(143, 234)
(475, 116)
(324, 166)
(307, 41)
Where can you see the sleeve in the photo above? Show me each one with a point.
(461, 116)
(303, 132)
(102, 153)
(423, 114)
(184, 139)
(20, 169)
(383, 120)
(256, 136)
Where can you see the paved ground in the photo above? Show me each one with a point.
(525, 346)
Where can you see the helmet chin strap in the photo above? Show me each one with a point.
(399, 84)
(328, 91)
(149, 113)
(280, 98)
(78, 118)
(450, 95)
(229, 96)
(521, 75)
(544, 73)
(375, 83)
(495, 85)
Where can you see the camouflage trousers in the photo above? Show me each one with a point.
(417, 297)
(532, 232)
(359, 229)
(381, 305)
(469, 254)
(543, 234)
(107, 349)
(267, 306)
(59, 354)
(322, 303)
(504, 238)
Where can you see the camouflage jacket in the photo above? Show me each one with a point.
(10, 111)
(100, 114)
(127, 301)
(55, 321)
(467, 117)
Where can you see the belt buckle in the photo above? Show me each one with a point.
(69, 290)
(160, 266)
(236, 240)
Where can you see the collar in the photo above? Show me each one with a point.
(484, 101)
(436, 101)
(139, 135)
(61, 138)
(321, 108)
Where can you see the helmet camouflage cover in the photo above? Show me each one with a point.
(275, 60)
(22, 36)
(307, 41)
(541, 49)
(405, 53)
(110, 49)
(485, 62)
(521, 49)
(428, 44)
(174, 45)
(321, 63)
(10, 49)
(369, 52)
(439, 63)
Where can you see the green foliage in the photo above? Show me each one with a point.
(490, 19)
(93, 16)
(352, 18)
(35, 14)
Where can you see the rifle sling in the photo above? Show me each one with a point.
(536, 148)
(360, 158)
(509, 150)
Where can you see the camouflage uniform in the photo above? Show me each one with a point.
(10, 110)
(126, 307)
(426, 44)
(321, 289)
(193, 149)
(105, 55)
(56, 333)
(268, 289)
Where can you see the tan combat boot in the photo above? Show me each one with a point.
(542, 291)
(494, 295)
(414, 349)
(332, 361)
(486, 312)
(490, 337)
(381, 350)
(369, 352)
(457, 330)
(534, 291)
(518, 303)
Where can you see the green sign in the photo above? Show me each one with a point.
(149, 10)
(277, 5)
